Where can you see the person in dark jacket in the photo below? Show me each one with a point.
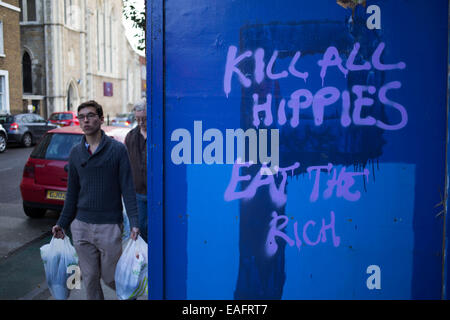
(99, 176)
(136, 143)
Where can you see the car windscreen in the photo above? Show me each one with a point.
(61, 116)
(56, 146)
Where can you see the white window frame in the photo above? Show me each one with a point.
(2, 40)
(4, 73)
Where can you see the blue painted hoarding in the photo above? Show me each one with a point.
(343, 115)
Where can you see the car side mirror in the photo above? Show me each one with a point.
(66, 168)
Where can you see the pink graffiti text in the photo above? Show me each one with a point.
(279, 223)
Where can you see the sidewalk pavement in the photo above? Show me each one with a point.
(43, 293)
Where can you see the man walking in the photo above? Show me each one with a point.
(136, 143)
(99, 176)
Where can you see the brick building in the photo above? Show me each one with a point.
(10, 62)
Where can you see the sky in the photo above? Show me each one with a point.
(130, 31)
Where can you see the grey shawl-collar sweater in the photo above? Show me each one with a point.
(97, 184)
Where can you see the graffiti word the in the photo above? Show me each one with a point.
(331, 58)
(214, 151)
(303, 98)
(374, 281)
(341, 183)
(262, 178)
(374, 21)
(279, 223)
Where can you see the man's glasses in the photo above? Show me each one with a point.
(88, 116)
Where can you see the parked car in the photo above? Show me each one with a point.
(44, 182)
(25, 129)
(124, 120)
(65, 118)
(3, 139)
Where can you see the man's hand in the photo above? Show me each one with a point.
(134, 233)
(58, 232)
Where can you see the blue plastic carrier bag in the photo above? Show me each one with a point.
(58, 256)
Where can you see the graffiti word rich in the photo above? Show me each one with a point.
(277, 194)
(341, 183)
(331, 58)
(302, 237)
(303, 99)
(213, 152)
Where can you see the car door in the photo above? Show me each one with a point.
(29, 124)
(41, 125)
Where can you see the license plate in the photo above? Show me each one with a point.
(56, 195)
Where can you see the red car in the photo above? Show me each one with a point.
(65, 118)
(44, 181)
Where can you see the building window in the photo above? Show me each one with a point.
(71, 13)
(71, 98)
(105, 39)
(2, 47)
(2, 95)
(110, 44)
(26, 76)
(28, 10)
(4, 92)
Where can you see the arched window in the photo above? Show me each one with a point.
(27, 73)
(72, 98)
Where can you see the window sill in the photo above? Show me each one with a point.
(29, 23)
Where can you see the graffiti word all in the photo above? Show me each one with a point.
(303, 236)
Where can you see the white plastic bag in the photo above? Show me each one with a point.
(131, 270)
(57, 256)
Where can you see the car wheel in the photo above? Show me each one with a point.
(2, 143)
(27, 140)
(34, 212)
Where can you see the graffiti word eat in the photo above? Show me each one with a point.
(342, 183)
(262, 178)
(331, 58)
(280, 222)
